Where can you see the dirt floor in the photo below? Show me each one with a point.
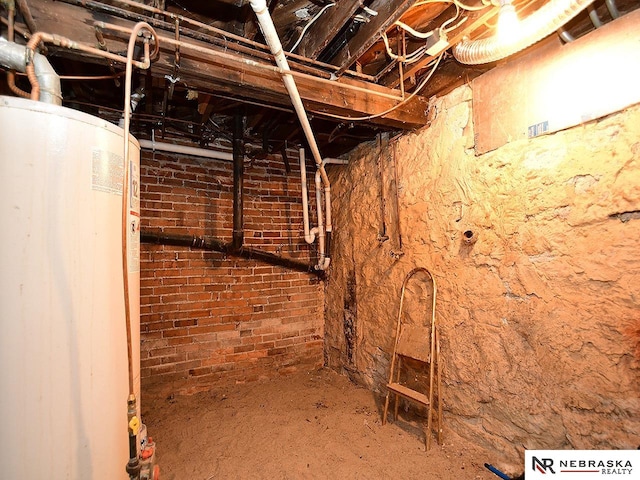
(307, 425)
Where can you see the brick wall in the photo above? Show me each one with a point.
(208, 319)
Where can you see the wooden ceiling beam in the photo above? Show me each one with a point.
(389, 11)
(218, 71)
(324, 30)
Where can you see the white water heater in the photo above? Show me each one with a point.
(63, 349)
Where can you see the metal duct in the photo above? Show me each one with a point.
(14, 56)
(544, 21)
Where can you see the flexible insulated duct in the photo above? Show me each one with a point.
(544, 21)
(14, 56)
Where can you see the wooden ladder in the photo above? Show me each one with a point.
(422, 344)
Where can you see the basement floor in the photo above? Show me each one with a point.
(308, 425)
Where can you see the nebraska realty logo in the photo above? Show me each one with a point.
(582, 464)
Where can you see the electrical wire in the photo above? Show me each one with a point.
(309, 23)
(84, 78)
(92, 77)
(451, 20)
(412, 32)
(420, 52)
(444, 27)
(463, 6)
(422, 84)
(408, 59)
(462, 20)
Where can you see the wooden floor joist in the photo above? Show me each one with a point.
(239, 75)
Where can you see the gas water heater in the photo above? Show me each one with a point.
(63, 340)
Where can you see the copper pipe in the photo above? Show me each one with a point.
(311, 66)
(125, 184)
(91, 77)
(26, 35)
(35, 85)
(11, 82)
(439, 389)
(103, 46)
(11, 14)
(239, 122)
(42, 37)
(82, 77)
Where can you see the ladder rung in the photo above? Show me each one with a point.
(408, 393)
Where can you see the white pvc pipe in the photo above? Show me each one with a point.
(327, 190)
(613, 9)
(323, 260)
(565, 36)
(271, 36)
(335, 161)
(593, 15)
(272, 39)
(186, 150)
(327, 206)
(309, 235)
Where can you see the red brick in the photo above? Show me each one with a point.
(209, 319)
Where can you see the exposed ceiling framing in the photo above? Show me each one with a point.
(352, 86)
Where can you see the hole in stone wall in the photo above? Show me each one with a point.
(624, 217)
(469, 237)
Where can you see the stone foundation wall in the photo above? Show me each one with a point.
(540, 318)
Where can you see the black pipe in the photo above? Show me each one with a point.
(133, 465)
(238, 176)
(212, 244)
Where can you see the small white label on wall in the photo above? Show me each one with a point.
(581, 464)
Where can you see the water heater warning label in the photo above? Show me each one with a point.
(133, 245)
(134, 217)
(107, 172)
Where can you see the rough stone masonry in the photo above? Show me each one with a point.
(540, 318)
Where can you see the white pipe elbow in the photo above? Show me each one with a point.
(311, 236)
(258, 5)
(323, 264)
